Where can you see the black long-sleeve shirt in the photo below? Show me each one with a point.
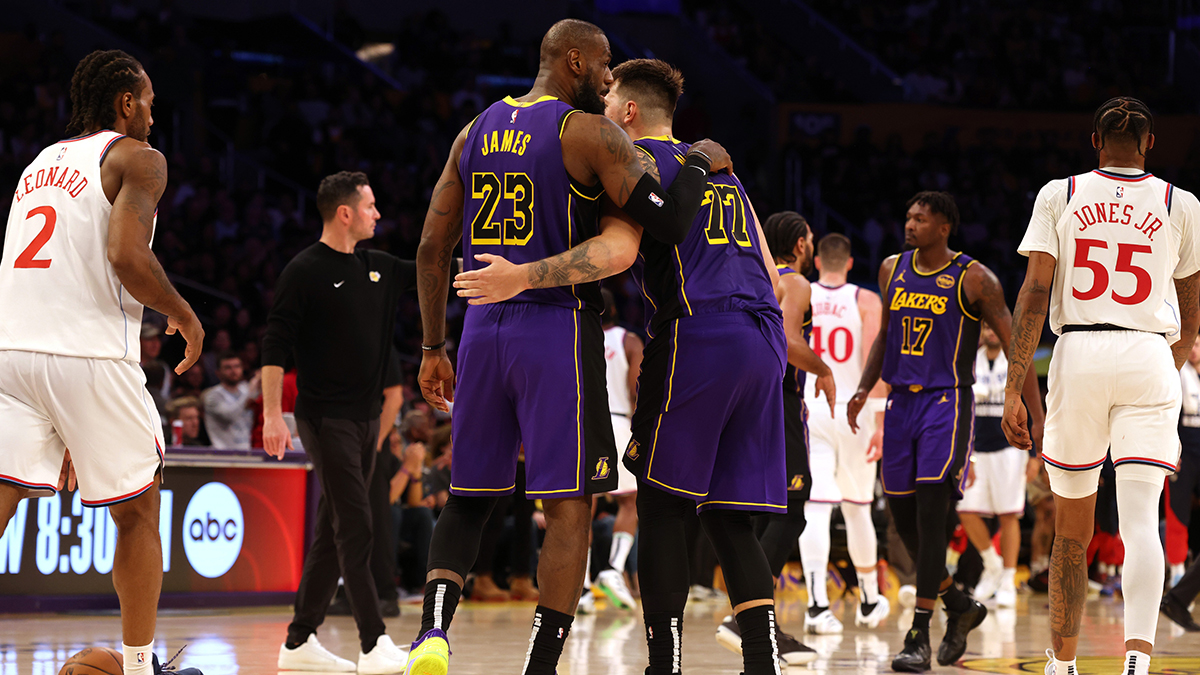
(337, 312)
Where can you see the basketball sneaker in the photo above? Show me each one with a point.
(1006, 596)
(168, 669)
(1050, 669)
(915, 656)
(312, 656)
(876, 616)
(958, 625)
(792, 652)
(430, 654)
(907, 595)
(988, 584)
(384, 659)
(587, 603)
(612, 584)
(821, 621)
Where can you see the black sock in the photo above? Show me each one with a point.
(550, 631)
(368, 643)
(441, 599)
(760, 653)
(293, 644)
(921, 619)
(954, 599)
(664, 638)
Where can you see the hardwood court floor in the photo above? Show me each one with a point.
(489, 639)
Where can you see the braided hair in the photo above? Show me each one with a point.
(782, 231)
(99, 78)
(1123, 118)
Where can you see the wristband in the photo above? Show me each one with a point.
(699, 160)
(702, 154)
(433, 348)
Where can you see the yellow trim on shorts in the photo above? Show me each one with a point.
(463, 489)
(769, 506)
(953, 434)
(590, 199)
(578, 420)
(682, 282)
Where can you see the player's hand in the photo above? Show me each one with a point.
(437, 379)
(720, 158)
(497, 282)
(66, 475)
(826, 386)
(277, 438)
(1032, 468)
(191, 330)
(1016, 421)
(854, 407)
(875, 448)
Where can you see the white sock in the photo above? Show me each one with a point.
(814, 551)
(868, 582)
(1136, 663)
(1064, 667)
(587, 571)
(618, 553)
(1008, 577)
(1177, 571)
(138, 660)
(991, 559)
(1137, 503)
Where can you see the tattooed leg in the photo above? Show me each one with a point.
(1075, 521)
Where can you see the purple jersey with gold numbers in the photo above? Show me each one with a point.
(931, 335)
(519, 202)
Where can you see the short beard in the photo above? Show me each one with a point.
(588, 98)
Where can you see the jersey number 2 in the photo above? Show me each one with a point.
(25, 260)
(1100, 274)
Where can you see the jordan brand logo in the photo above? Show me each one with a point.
(900, 277)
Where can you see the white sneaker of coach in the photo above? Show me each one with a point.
(385, 659)
(313, 657)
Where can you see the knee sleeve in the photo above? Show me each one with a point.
(1142, 581)
(778, 539)
(662, 550)
(743, 562)
(814, 543)
(860, 534)
(455, 542)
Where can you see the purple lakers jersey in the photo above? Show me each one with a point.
(793, 377)
(931, 335)
(718, 267)
(519, 202)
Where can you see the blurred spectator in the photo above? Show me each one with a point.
(190, 383)
(151, 339)
(412, 513)
(227, 406)
(188, 411)
(437, 475)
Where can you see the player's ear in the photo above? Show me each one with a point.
(575, 61)
(817, 264)
(1095, 140)
(631, 111)
(849, 263)
(1149, 142)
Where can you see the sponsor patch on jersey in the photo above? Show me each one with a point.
(945, 281)
(374, 276)
(656, 199)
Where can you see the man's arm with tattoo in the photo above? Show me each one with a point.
(1188, 291)
(143, 176)
(435, 254)
(1033, 302)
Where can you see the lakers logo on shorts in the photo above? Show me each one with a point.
(602, 469)
(945, 281)
(631, 450)
(797, 482)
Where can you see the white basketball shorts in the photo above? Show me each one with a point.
(99, 408)
(999, 487)
(837, 457)
(1111, 392)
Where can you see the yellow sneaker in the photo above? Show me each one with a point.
(430, 655)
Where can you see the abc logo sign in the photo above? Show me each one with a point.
(213, 530)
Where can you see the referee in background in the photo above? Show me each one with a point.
(335, 311)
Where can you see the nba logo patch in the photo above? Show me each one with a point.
(374, 276)
(141, 657)
(560, 633)
(513, 119)
(656, 199)
(61, 153)
(602, 470)
(1120, 191)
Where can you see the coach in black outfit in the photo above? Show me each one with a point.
(335, 310)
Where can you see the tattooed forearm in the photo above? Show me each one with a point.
(1027, 324)
(1188, 292)
(590, 261)
(1068, 589)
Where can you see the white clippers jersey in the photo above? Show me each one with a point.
(836, 338)
(1120, 236)
(58, 292)
(617, 368)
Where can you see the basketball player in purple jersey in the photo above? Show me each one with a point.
(525, 179)
(934, 299)
(708, 429)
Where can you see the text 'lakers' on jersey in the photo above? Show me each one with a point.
(837, 337)
(58, 292)
(719, 266)
(1119, 236)
(794, 379)
(931, 336)
(519, 201)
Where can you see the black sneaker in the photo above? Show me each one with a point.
(339, 607)
(915, 656)
(958, 624)
(1040, 582)
(793, 651)
(1178, 612)
(389, 608)
(729, 635)
(172, 670)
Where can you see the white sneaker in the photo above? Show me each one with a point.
(312, 656)
(587, 603)
(612, 584)
(1006, 596)
(385, 659)
(907, 595)
(877, 615)
(824, 623)
(988, 583)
